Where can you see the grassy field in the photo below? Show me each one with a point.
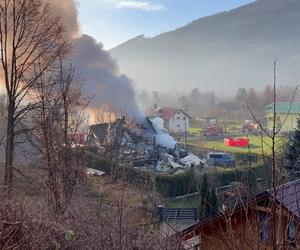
(256, 144)
(195, 130)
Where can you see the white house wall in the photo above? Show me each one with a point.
(179, 123)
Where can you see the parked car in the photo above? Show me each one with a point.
(220, 159)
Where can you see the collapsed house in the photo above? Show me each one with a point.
(143, 144)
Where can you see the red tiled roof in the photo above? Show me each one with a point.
(168, 113)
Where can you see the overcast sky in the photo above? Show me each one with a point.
(115, 21)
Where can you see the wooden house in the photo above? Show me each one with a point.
(258, 223)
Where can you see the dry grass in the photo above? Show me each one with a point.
(102, 215)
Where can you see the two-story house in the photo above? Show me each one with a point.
(175, 120)
(179, 122)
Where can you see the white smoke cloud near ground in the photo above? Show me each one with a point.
(95, 66)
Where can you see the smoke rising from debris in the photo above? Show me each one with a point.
(102, 79)
(100, 72)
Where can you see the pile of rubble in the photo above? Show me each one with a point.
(144, 145)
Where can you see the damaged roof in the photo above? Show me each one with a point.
(106, 132)
(103, 131)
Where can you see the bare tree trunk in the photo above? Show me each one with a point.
(29, 36)
(9, 146)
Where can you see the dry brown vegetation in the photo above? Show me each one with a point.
(102, 215)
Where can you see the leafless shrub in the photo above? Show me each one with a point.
(58, 96)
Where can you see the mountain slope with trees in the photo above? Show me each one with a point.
(232, 49)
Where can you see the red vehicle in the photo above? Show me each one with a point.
(213, 130)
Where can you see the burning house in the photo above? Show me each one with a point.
(141, 144)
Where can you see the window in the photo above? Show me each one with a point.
(178, 125)
(216, 156)
(265, 227)
(292, 231)
(184, 118)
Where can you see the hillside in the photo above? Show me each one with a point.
(220, 52)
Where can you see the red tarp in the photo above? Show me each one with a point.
(238, 142)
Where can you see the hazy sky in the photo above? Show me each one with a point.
(115, 21)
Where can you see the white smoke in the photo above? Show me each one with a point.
(158, 123)
(162, 138)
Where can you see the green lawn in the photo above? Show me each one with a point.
(256, 145)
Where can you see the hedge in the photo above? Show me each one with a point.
(94, 161)
(228, 176)
(167, 185)
(176, 185)
(170, 185)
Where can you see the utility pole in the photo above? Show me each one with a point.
(185, 135)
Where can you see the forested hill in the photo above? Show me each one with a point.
(223, 51)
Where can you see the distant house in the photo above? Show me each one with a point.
(179, 122)
(249, 224)
(286, 115)
(211, 120)
(175, 120)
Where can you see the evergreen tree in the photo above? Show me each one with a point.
(241, 96)
(183, 103)
(208, 199)
(266, 96)
(292, 154)
(204, 196)
(213, 201)
(250, 180)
